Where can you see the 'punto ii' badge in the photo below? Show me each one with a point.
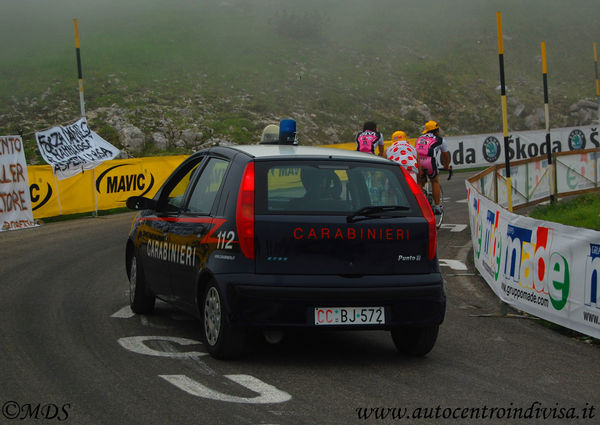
(576, 140)
(491, 149)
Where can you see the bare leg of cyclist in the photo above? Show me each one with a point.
(435, 186)
(421, 179)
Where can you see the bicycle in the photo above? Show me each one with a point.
(428, 192)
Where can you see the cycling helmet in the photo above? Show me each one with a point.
(430, 126)
(398, 136)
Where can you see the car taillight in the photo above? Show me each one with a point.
(244, 215)
(426, 210)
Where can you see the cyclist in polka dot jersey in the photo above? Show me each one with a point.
(404, 154)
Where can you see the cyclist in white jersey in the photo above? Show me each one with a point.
(405, 154)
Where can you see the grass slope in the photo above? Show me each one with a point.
(228, 67)
(583, 211)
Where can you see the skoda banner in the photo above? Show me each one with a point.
(487, 149)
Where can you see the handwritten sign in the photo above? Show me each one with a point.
(74, 148)
(15, 201)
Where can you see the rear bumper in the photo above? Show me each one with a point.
(289, 301)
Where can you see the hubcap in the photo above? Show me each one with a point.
(212, 316)
(132, 279)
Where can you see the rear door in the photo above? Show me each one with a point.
(307, 219)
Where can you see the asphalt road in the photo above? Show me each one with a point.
(71, 351)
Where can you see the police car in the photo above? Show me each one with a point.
(274, 237)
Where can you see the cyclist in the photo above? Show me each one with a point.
(428, 144)
(369, 138)
(404, 154)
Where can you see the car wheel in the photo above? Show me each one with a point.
(223, 340)
(140, 300)
(415, 341)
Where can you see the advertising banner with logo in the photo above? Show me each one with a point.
(74, 148)
(546, 269)
(112, 182)
(15, 204)
(482, 150)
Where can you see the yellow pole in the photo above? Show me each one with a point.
(547, 114)
(80, 74)
(596, 66)
(597, 83)
(504, 108)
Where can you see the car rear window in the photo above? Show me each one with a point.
(328, 187)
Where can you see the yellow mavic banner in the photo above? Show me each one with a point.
(352, 146)
(107, 186)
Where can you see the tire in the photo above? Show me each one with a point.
(223, 340)
(440, 217)
(141, 300)
(415, 341)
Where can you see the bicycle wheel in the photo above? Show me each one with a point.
(428, 192)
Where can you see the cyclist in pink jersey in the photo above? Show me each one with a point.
(428, 144)
(369, 138)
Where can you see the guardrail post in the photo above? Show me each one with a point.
(495, 184)
(552, 179)
(596, 164)
(527, 181)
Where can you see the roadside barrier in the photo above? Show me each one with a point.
(543, 268)
(534, 180)
(106, 187)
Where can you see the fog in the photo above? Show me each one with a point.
(324, 52)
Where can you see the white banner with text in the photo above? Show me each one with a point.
(74, 148)
(486, 149)
(15, 201)
(543, 268)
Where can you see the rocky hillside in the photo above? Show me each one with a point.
(177, 78)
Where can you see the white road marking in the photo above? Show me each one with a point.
(124, 313)
(136, 344)
(200, 366)
(453, 264)
(462, 201)
(454, 227)
(465, 283)
(267, 394)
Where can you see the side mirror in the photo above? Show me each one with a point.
(140, 203)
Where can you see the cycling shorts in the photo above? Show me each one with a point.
(429, 166)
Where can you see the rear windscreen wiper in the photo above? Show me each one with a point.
(374, 212)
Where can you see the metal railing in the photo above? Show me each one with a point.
(534, 180)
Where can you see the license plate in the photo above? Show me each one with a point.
(349, 315)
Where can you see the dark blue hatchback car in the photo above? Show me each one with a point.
(274, 237)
